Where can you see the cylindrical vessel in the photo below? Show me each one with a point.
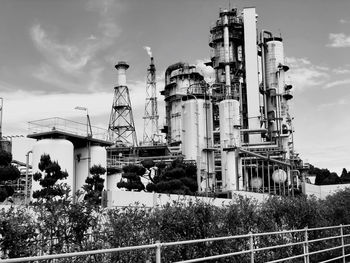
(60, 150)
(197, 136)
(229, 137)
(97, 155)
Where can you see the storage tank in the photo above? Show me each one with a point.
(197, 136)
(229, 138)
(98, 156)
(60, 150)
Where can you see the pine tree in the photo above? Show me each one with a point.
(7, 173)
(94, 185)
(48, 177)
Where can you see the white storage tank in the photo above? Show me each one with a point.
(60, 150)
(98, 156)
(229, 137)
(197, 134)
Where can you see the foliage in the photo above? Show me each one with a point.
(132, 178)
(50, 174)
(60, 226)
(324, 176)
(94, 185)
(177, 178)
(17, 229)
(7, 173)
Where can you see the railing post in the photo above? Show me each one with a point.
(342, 242)
(251, 243)
(158, 252)
(306, 247)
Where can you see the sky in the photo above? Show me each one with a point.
(56, 55)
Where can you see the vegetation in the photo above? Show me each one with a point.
(94, 185)
(59, 226)
(325, 177)
(7, 173)
(176, 178)
(48, 177)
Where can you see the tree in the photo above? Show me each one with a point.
(345, 176)
(7, 173)
(132, 174)
(94, 185)
(177, 178)
(48, 177)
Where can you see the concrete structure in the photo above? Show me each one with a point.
(72, 146)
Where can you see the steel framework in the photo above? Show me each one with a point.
(121, 122)
(151, 130)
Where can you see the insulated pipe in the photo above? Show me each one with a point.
(263, 32)
(227, 55)
(26, 183)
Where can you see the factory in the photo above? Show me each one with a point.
(237, 129)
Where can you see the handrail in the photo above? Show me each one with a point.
(304, 241)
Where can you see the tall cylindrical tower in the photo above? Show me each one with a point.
(178, 78)
(121, 122)
(277, 93)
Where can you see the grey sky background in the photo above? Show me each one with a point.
(56, 55)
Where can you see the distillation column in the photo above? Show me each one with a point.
(277, 93)
(229, 112)
(121, 123)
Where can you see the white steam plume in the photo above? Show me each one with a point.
(148, 49)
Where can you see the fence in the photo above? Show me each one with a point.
(325, 244)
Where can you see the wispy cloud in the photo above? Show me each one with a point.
(326, 106)
(67, 56)
(339, 40)
(303, 73)
(344, 21)
(77, 64)
(337, 83)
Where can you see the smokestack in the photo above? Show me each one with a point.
(121, 73)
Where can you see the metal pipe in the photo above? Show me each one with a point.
(227, 55)
(263, 157)
(263, 61)
(26, 182)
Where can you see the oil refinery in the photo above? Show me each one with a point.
(237, 130)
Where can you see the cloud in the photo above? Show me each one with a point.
(341, 71)
(344, 21)
(67, 57)
(326, 106)
(337, 83)
(206, 71)
(304, 74)
(76, 64)
(339, 40)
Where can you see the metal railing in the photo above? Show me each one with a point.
(68, 126)
(332, 240)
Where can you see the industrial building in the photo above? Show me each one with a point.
(237, 130)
